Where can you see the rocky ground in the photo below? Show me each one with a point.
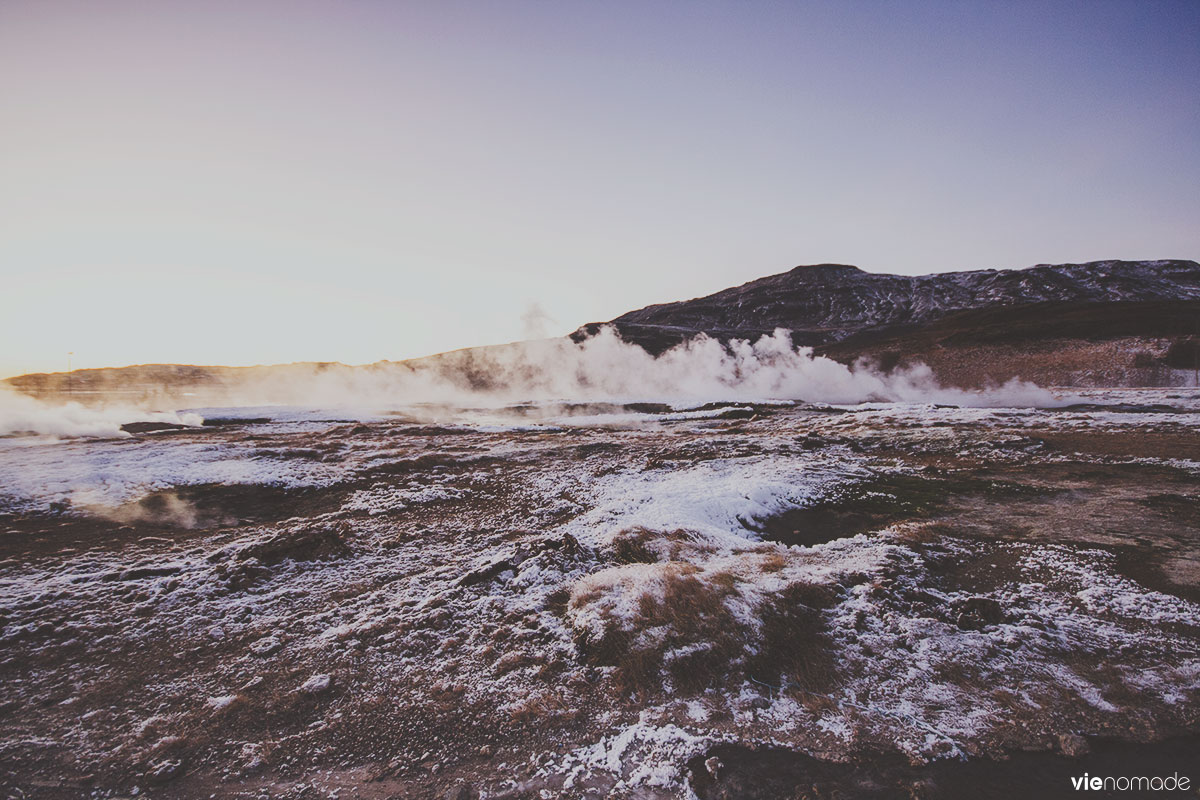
(742, 601)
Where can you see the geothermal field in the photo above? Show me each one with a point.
(881, 589)
(670, 400)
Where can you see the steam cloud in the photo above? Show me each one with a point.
(163, 508)
(603, 368)
(23, 414)
(535, 322)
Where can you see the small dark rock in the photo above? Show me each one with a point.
(921, 789)
(1073, 745)
(241, 576)
(977, 612)
(317, 685)
(151, 427)
(486, 574)
(461, 791)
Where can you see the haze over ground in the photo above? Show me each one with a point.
(268, 182)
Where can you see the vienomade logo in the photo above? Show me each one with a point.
(1140, 783)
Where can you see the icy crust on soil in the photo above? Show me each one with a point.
(920, 678)
(114, 471)
(37, 472)
(459, 571)
(383, 499)
(719, 498)
(914, 657)
(643, 754)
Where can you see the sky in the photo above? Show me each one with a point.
(263, 182)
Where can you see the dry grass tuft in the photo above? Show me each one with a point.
(672, 621)
(643, 619)
(630, 547)
(795, 646)
(922, 533)
(644, 546)
(773, 562)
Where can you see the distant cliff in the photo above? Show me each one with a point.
(827, 303)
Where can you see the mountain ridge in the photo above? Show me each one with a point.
(824, 303)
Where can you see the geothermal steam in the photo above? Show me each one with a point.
(606, 369)
(23, 414)
(600, 369)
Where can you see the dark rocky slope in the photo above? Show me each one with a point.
(1104, 323)
(829, 302)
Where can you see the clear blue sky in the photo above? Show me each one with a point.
(256, 182)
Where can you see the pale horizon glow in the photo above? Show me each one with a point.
(267, 182)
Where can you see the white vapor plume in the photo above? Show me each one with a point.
(535, 322)
(604, 368)
(22, 414)
(601, 369)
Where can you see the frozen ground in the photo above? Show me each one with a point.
(751, 600)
